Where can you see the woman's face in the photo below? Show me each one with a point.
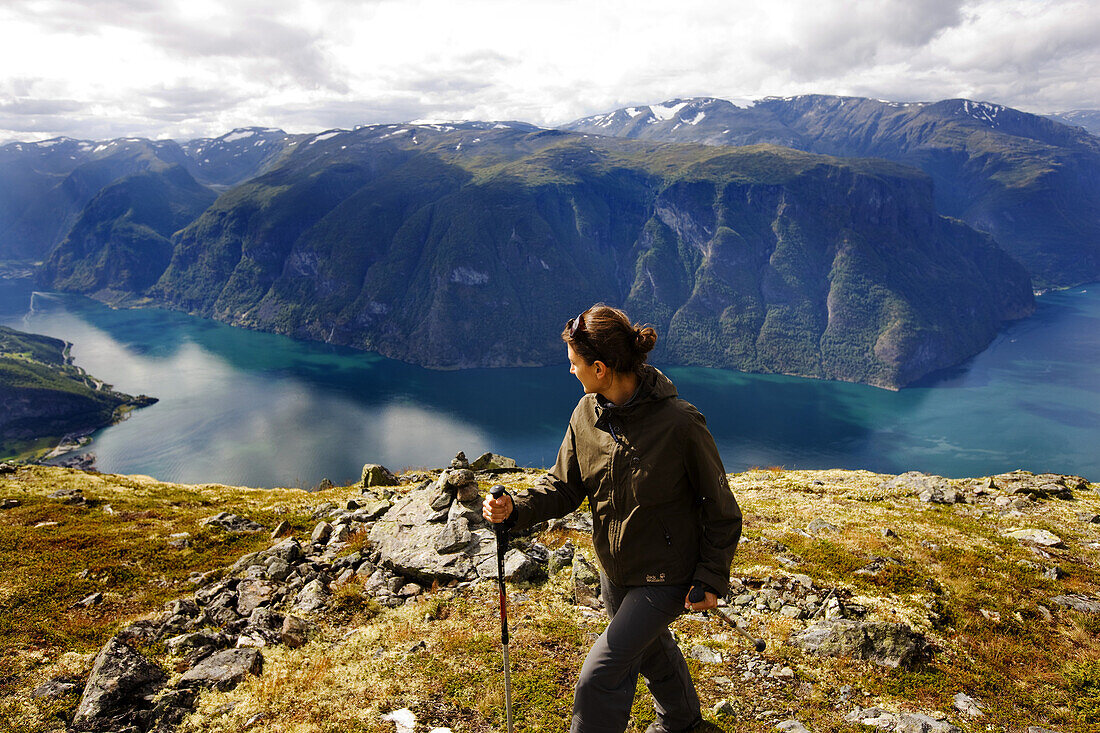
(591, 376)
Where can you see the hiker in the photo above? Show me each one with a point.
(663, 519)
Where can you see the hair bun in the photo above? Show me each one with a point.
(645, 338)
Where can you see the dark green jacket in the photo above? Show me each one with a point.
(662, 509)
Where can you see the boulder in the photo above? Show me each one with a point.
(289, 551)
(120, 680)
(407, 540)
(252, 593)
(561, 558)
(232, 523)
(376, 475)
(321, 533)
(886, 644)
(968, 706)
(324, 485)
(918, 484)
(1036, 536)
(792, 726)
(68, 496)
(1040, 486)
(313, 596)
(921, 723)
(586, 583)
(1078, 602)
(459, 461)
(7, 467)
(281, 529)
(492, 462)
(294, 631)
(454, 537)
(224, 669)
(55, 688)
(9, 503)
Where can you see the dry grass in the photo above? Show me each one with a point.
(440, 656)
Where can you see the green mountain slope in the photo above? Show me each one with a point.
(46, 397)
(121, 240)
(1029, 181)
(465, 246)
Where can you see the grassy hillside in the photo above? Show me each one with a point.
(46, 397)
(981, 598)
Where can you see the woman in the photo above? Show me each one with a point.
(663, 518)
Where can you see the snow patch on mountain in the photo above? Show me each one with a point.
(238, 135)
(666, 112)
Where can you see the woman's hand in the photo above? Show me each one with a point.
(710, 600)
(496, 511)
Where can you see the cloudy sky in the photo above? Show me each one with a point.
(190, 68)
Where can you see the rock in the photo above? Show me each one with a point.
(792, 726)
(92, 600)
(1041, 486)
(491, 461)
(232, 523)
(256, 637)
(9, 503)
(560, 558)
(252, 594)
(224, 670)
(340, 533)
(376, 475)
(68, 496)
(454, 537)
(921, 723)
(294, 631)
(7, 467)
(922, 485)
(705, 654)
(403, 719)
(321, 533)
(519, 566)
(968, 705)
(586, 583)
(179, 540)
(289, 551)
(120, 680)
(406, 539)
(723, 707)
(1078, 602)
(281, 529)
(820, 525)
(1037, 536)
(1037, 729)
(197, 640)
(325, 485)
(459, 461)
(873, 717)
(887, 644)
(372, 510)
(312, 597)
(55, 688)
(941, 495)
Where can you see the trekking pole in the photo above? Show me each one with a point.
(697, 594)
(502, 547)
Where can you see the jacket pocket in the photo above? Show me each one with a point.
(658, 483)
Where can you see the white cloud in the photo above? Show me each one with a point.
(197, 67)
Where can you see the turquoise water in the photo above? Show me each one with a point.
(251, 408)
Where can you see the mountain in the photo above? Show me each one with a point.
(1086, 118)
(121, 240)
(237, 155)
(45, 186)
(46, 397)
(466, 245)
(1031, 182)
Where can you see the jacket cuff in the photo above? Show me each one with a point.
(717, 583)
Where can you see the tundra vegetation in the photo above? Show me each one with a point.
(996, 577)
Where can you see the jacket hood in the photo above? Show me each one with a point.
(653, 386)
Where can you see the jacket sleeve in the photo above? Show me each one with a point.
(556, 493)
(719, 513)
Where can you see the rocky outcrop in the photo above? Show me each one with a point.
(232, 523)
(119, 691)
(224, 670)
(886, 644)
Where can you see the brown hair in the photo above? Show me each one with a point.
(606, 334)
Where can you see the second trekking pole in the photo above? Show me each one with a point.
(502, 547)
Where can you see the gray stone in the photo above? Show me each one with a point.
(281, 529)
(9, 503)
(792, 726)
(1078, 602)
(224, 669)
(968, 705)
(586, 583)
(289, 551)
(54, 689)
(185, 643)
(454, 537)
(232, 523)
(7, 467)
(1036, 536)
(92, 600)
(459, 461)
(324, 485)
(294, 631)
(321, 533)
(252, 594)
(372, 510)
(278, 570)
(560, 558)
(376, 475)
(1037, 729)
(491, 461)
(441, 501)
(918, 484)
(120, 680)
(705, 654)
(820, 525)
(921, 723)
(256, 637)
(723, 707)
(265, 618)
(340, 533)
(312, 597)
(68, 496)
(887, 644)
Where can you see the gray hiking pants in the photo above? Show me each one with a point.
(637, 641)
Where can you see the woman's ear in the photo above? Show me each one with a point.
(600, 368)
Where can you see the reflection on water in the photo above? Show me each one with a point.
(252, 408)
